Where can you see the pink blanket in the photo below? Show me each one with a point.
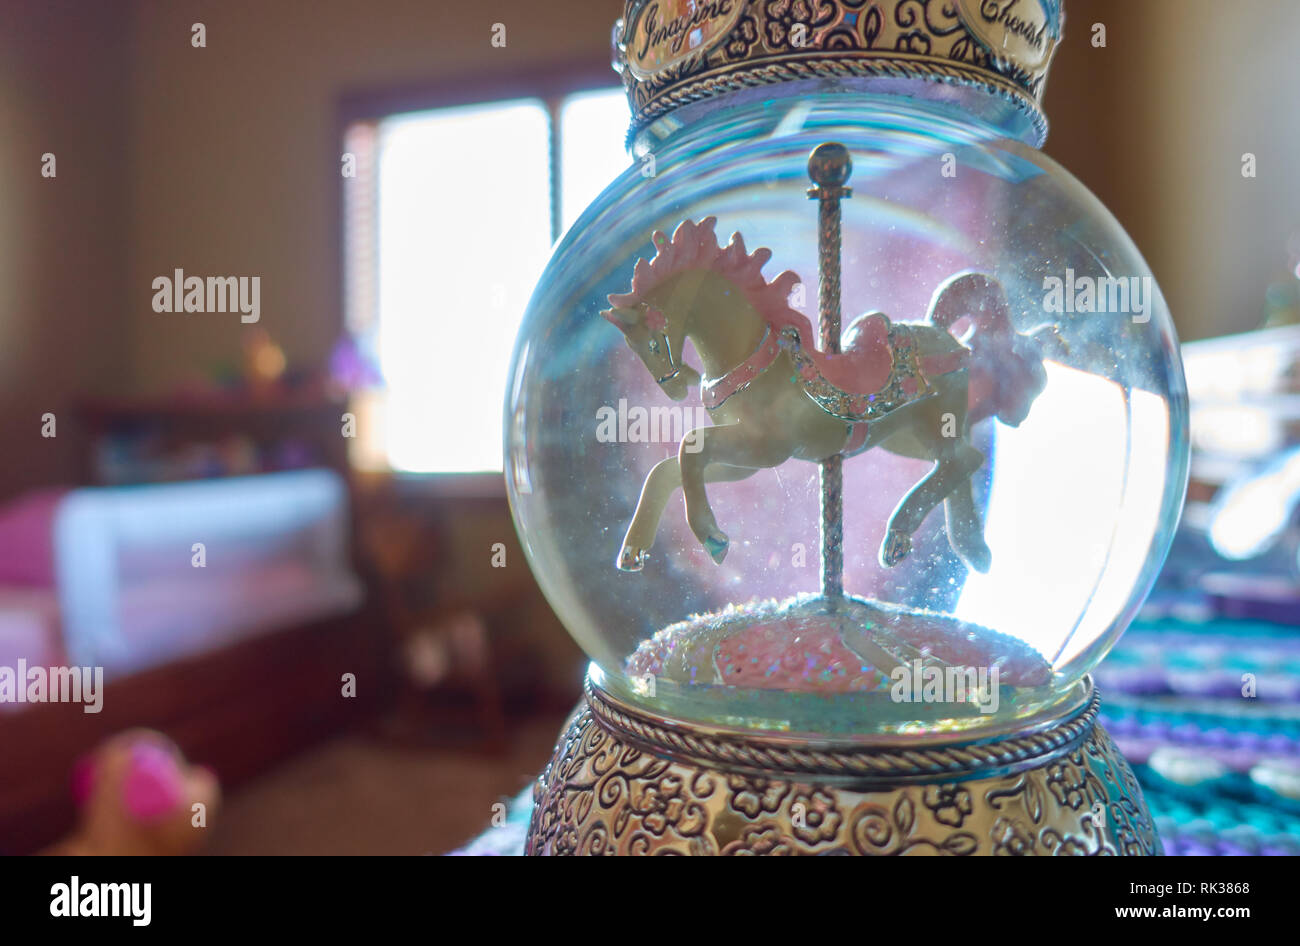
(27, 539)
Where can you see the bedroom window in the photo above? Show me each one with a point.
(448, 224)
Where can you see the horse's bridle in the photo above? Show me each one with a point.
(668, 344)
(677, 369)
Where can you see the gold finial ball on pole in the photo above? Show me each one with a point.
(829, 165)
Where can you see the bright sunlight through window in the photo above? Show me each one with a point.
(462, 227)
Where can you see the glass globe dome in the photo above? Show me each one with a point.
(1010, 409)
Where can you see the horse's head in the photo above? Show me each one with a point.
(645, 329)
(693, 287)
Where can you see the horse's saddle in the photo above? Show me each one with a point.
(878, 371)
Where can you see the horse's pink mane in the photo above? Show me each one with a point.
(695, 246)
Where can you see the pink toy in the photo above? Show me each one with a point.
(136, 794)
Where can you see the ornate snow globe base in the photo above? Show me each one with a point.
(624, 782)
(843, 558)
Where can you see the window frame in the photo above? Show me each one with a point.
(551, 87)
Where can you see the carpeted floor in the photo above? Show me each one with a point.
(361, 794)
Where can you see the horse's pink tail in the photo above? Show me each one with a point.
(1006, 368)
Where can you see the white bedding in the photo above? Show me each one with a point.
(134, 591)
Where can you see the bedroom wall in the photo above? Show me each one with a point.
(1224, 237)
(235, 162)
(63, 90)
(1156, 124)
(233, 157)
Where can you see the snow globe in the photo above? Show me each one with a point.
(846, 432)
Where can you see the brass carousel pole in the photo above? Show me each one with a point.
(829, 167)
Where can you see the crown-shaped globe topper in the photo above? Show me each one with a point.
(676, 52)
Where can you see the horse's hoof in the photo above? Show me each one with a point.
(632, 559)
(716, 545)
(895, 548)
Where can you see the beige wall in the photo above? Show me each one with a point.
(1156, 124)
(1228, 76)
(235, 159)
(62, 256)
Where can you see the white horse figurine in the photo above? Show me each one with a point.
(913, 389)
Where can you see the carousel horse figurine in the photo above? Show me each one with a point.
(914, 389)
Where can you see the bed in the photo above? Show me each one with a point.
(225, 612)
